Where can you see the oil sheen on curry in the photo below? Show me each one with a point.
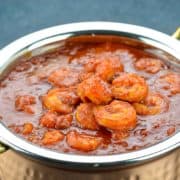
(92, 95)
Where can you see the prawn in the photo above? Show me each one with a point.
(154, 103)
(82, 141)
(129, 87)
(118, 115)
(94, 89)
(149, 65)
(60, 100)
(85, 116)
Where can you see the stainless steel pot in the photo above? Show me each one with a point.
(130, 165)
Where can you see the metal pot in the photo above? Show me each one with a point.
(155, 162)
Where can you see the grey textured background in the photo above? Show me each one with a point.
(20, 17)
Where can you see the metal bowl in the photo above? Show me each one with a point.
(78, 162)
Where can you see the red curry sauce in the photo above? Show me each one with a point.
(92, 97)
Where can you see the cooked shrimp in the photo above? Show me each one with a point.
(85, 116)
(154, 103)
(95, 90)
(82, 141)
(63, 121)
(64, 77)
(52, 137)
(171, 81)
(105, 68)
(48, 119)
(60, 100)
(23, 103)
(149, 65)
(129, 87)
(27, 128)
(53, 120)
(118, 115)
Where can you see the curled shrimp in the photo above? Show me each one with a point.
(118, 115)
(64, 77)
(85, 116)
(149, 65)
(82, 141)
(60, 100)
(105, 68)
(171, 82)
(129, 87)
(154, 103)
(94, 89)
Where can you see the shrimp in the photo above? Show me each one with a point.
(95, 90)
(154, 103)
(149, 65)
(64, 77)
(60, 100)
(48, 119)
(118, 115)
(82, 141)
(171, 81)
(27, 128)
(129, 87)
(52, 137)
(53, 120)
(24, 103)
(105, 68)
(85, 116)
(64, 121)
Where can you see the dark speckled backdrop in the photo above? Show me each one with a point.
(20, 17)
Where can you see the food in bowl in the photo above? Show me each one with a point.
(92, 95)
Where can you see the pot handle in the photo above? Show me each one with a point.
(176, 35)
(2, 148)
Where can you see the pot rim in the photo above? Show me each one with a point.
(147, 35)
